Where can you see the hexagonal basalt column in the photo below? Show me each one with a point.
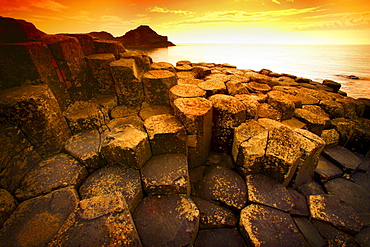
(101, 73)
(185, 91)
(196, 115)
(157, 83)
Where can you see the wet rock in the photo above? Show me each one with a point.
(223, 237)
(17, 157)
(300, 206)
(7, 204)
(213, 215)
(109, 46)
(59, 171)
(124, 111)
(166, 174)
(127, 77)
(331, 137)
(127, 146)
(267, 226)
(266, 191)
(166, 134)
(333, 236)
(82, 116)
(213, 87)
(284, 103)
(167, 220)
(85, 227)
(163, 66)
(342, 157)
(185, 91)
(327, 170)
(85, 147)
(37, 220)
(156, 86)
(111, 179)
(36, 112)
(265, 110)
(309, 232)
(196, 115)
(315, 123)
(101, 73)
(223, 185)
(228, 113)
(331, 209)
(251, 105)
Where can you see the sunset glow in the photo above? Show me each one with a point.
(198, 21)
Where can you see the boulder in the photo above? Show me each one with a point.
(156, 86)
(309, 232)
(196, 116)
(59, 171)
(228, 113)
(251, 105)
(267, 226)
(315, 123)
(36, 112)
(148, 110)
(127, 146)
(213, 87)
(333, 108)
(266, 191)
(327, 170)
(342, 157)
(223, 185)
(109, 46)
(36, 221)
(8, 205)
(85, 227)
(166, 174)
(222, 237)
(17, 157)
(331, 209)
(332, 84)
(166, 134)
(167, 220)
(111, 179)
(285, 103)
(85, 147)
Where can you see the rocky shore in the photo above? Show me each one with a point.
(103, 147)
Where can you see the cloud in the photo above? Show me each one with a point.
(49, 5)
(276, 1)
(82, 17)
(157, 9)
(44, 17)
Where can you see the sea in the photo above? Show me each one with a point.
(316, 62)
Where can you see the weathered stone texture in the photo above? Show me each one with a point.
(223, 237)
(148, 110)
(213, 87)
(185, 91)
(309, 232)
(7, 204)
(166, 174)
(124, 111)
(343, 158)
(163, 66)
(156, 86)
(109, 46)
(99, 65)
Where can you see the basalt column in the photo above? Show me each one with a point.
(196, 115)
(157, 83)
(101, 73)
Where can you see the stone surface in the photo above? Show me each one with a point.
(37, 220)
(196, 115)
(333, 236)
(223, 237)
(363, 237)
(106, 101)
(223, 185)
(127, 146)
(300, 206)
(111, 179)
(309, 232)
(228, 112)
(312, 188)
(109, 46)
(124, 111)
(315, 123)
(331, 209)
(283, 102)
(58, 171)
(156, 86)
(163, 66)
(251, 105)
(17, 30)
(86, 41)
(213, 215)
(333, 108)
(148, 110)
(236, 87)
(265, 226)
(213, 87)
(331, 137)
(341, 156)
(326, 170)
(85, 147)
(265, 110)
(167, 220)
(185, 91)
(85, 227)
(36, 112)
(294, 123)
(166, 134)
(134, 120)
(101, 73)
(266, 191)
(7, 205)
(257, 87)
(83, 115)
(166, 174)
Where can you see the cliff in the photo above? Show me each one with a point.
(14, 30)
(144, 36)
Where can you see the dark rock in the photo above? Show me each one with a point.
(223, 237)
(99, 65)
(167, 220)
(36, 221)
(106, 101)
(59, 171)
(266, 191)
(223, 185)
(270, 227)
(109, 46)
(366, 103)
(156, 86)
(309, 232)
(363, 237)
(352, 108)
(166, 174)
(102, 35)
(303, 80)
(85, 227)
(86, 41)
(332, 84)
(300, 206)
(312, 188)
(331, 209)
(214, 216)
(326, 170)
(17, 30)
(8, 204)
(111, 179)
(347, 160)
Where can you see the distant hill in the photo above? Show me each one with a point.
(15, 30)
(102, 35)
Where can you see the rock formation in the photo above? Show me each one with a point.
(101, 146)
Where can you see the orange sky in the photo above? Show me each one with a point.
(217, 21)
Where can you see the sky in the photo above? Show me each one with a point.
(210, 21)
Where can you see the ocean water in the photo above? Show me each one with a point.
(316, 62)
